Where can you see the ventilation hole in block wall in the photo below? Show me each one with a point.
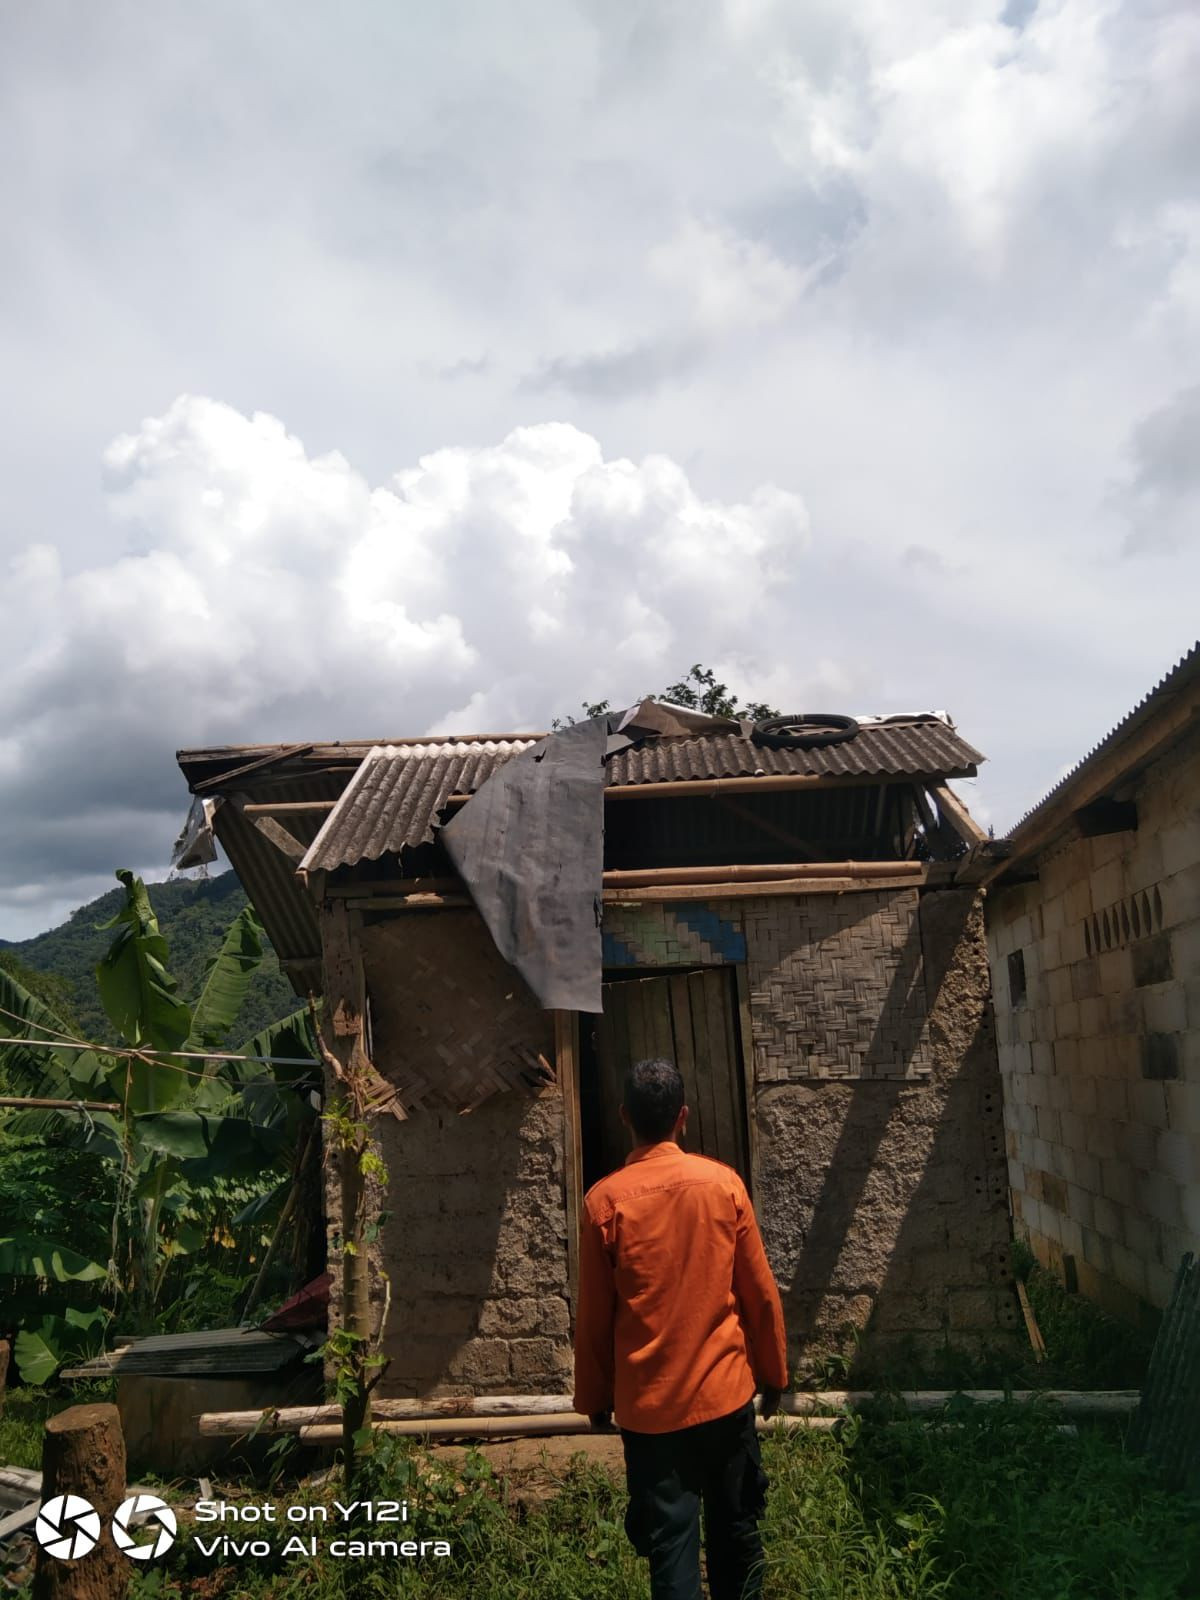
(1016, 978)
(1125, 922)
(1146, 922)
(1107, 932)
(1087, 935)
(1137, 918)
(1096, 933)
(1157, 908)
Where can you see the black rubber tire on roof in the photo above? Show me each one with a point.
(807, 731)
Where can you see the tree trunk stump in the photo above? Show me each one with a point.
(4, 1355)
(83, 1453)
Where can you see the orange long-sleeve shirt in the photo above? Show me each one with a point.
(679, 1318)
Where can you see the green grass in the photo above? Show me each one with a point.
(994, 1504)
(988, 1503)
(1085, 1348)
(21, 1420)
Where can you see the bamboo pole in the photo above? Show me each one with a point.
(534, 1427)
(17, 1102)
(650, 877)
(668, 892)
(472, 1408)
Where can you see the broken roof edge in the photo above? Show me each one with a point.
(356, 750)
(1090, 777)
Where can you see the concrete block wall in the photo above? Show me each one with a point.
(883, 1202)
(475, 1245)
(879, 1174)
(881, 1198)
(1100, 1056)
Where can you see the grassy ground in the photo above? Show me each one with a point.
(999, 1506)
(990, 1504)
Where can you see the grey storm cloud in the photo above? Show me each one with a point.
(391, 367)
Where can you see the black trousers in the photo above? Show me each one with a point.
(670, 1475)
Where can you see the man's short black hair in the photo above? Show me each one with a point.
(653, 1097)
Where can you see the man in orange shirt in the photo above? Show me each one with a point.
(679, 1323)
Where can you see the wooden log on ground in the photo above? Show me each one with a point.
(550, 1426)
(83, 1453)
(293, 1419)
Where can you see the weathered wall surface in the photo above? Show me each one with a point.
(1096, 970)
(882, 1201)
(476, 1247)
(879, 1156)
(879, 1161)
(475, 1241)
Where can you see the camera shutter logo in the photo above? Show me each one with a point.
(157, 1532)
(67, 1527)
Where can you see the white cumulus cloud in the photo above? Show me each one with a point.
(264, 593)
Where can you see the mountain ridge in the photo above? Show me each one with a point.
(193, 914)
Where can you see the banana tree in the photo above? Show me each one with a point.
(180, 1117)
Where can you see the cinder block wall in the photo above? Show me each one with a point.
(879, 1174)
(475, 1237)
(875, 1108)
(882, 1199)
(476, 1247)
(1096, 972)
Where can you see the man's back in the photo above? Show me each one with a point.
(679, 1318)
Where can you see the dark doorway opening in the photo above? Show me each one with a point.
(690, 1016)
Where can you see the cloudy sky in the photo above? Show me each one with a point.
(392, 367)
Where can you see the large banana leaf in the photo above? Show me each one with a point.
(291, 1039)
(25, 1257)
(45, 1072)
(42, 1071)
(136, 990)
(229, 976)
(206, 1147)
(274, 1093)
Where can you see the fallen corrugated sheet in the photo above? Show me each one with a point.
(216, 1353)
(394, 798)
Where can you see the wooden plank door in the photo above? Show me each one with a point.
(691, 1019)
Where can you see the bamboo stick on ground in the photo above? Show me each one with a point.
(475, 1408)
(534, 1427)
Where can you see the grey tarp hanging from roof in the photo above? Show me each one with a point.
(529, 845)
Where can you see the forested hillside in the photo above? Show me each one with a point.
(193, 914)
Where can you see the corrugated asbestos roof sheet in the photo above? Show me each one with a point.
(394, 798)
(918, 747)
(1177, 679)
(216, 1352)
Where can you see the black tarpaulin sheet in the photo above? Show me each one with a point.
(529, 844)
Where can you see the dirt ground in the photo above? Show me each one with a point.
(534, 1467)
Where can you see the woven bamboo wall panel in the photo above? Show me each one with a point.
(837, 987)
(452, 1023)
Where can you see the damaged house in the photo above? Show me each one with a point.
(789, 911)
